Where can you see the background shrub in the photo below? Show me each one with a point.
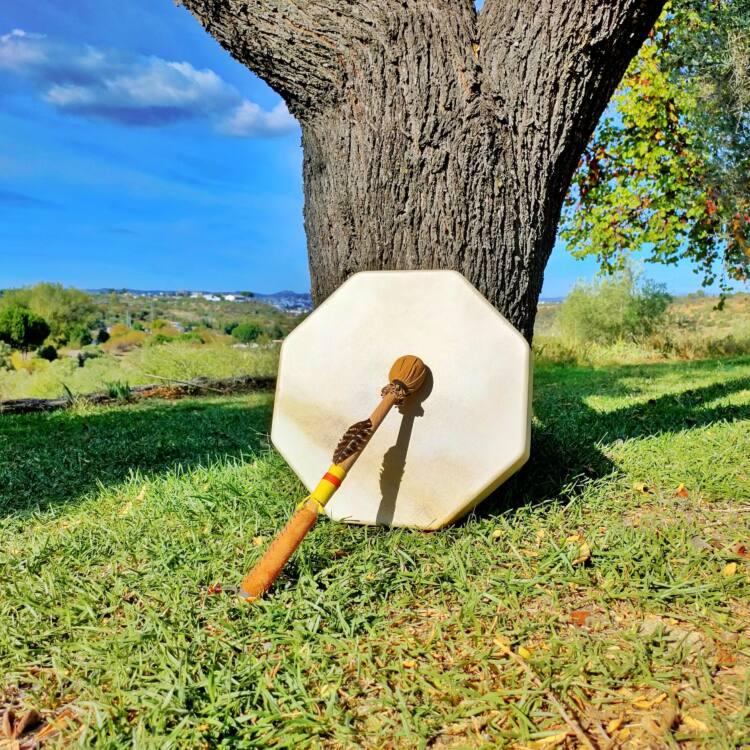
(247, 332)
(47, 352)
(610, 309)
(78, 336)
(5, 352)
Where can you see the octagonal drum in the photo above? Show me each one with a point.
(451, 444)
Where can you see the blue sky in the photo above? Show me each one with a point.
(135, 152)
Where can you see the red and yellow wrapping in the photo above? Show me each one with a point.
(330, 482)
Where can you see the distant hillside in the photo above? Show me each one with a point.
(297, 301)
(285, 300)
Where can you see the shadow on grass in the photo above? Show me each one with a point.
(49, 459)
(568, 433)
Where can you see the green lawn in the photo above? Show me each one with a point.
(609, 581)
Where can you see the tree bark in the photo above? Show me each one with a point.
(435, 136)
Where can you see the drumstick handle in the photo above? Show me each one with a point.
(268, 568)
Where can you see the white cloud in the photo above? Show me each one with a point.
(18, 50)
(248, 119)
(134, 89)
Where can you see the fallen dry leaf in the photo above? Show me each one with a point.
(699, 544)
(502, 645)
(615, 724)
(552, 741)
(729, 570)
(59, 723)
(646, 703)
(652, 726)
(14, 728)
(725, 657)
(741, 550)
(28, 721)
(8, 722)
(579, 616)
(695, 724)
(523, 652)
(584, 553)
(409, 664)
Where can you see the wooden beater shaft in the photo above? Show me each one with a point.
(407, 375)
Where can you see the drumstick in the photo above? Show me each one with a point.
(404, 378)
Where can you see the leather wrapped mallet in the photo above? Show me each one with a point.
(406, 376)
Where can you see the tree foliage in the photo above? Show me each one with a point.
(668, 170)
(68, 311)
(21, 328)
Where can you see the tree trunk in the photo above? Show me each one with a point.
(386, 198)
(435, 136)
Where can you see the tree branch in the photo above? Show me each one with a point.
(309, 50)
(296, 46)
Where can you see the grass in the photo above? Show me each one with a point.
(694, 330)
(177, 361)
(609, 577)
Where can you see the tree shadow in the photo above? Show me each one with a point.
(56, 458)
(569, 435)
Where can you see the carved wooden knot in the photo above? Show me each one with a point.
(398, 391)
(407, 375)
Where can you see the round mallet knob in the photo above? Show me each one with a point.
(408, 373)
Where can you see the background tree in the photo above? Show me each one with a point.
(21, 328)
(669, 169)
(436, 135)
(67, 310)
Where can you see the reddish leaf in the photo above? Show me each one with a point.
(725, 657)
(578, 617)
